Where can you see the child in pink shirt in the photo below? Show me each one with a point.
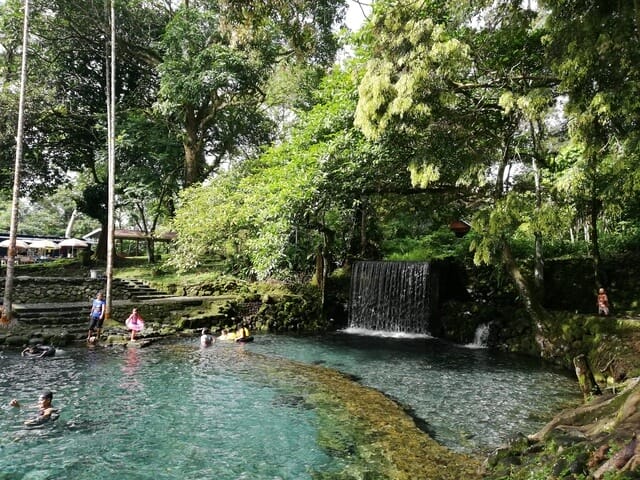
(135, 323)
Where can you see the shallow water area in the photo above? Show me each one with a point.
(468, 398)
(169, 411)
(176, 410)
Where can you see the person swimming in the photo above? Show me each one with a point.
(39, 351)
(46, 412)
(206, 339)
(225, 335)
(243, 335)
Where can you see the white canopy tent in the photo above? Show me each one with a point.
(44, 245)
(19, 244)
(73, 243)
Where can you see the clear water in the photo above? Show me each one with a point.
(470, 398)
(177, 411)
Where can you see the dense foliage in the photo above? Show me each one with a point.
(236, 129)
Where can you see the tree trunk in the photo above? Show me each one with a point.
(594, 244)
(362, 232)
(150, 246)
(69, 230)
(193, 154)
(538, 268)
(6, 315)
(320, 269)
(587, 382)
(101, 248)
(529, 297)
(531, 302)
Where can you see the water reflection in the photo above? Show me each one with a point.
(129, 369)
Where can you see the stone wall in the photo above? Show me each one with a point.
(161, 312)
(61, 290)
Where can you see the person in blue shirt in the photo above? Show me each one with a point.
(96, 317)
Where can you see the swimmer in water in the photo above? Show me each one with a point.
(242, 334)
(39, 351)
(46, 411)
(206, 339)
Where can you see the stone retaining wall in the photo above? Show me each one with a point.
(162, 312)
(61, 290)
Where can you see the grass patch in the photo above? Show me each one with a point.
(162, 275)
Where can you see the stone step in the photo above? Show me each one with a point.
(139, 290)
(152, 297)
(53, 320)
(52, 314)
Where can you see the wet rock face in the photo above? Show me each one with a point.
(16, 340)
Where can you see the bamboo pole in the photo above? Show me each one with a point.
(111, 128)
(7, 317)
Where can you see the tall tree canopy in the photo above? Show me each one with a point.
(197, 72)
(517, 116)
(488, 111)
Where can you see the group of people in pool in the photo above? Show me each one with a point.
(240, 335)
(46, 410)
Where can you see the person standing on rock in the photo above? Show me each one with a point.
(135, 323)
(96, 317)
(603, 303)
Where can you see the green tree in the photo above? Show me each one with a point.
(215, 67)
(466, 86)
(307, 205)
(47, 216)
(212, 90)
(150, 174)
(277, 208)
(593, 49)
(204, 66)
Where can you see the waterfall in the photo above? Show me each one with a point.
(481, 336)
(392, 296)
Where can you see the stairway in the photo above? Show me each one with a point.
(54, 314)
(139, 290)
(70, 318)
(74, 316)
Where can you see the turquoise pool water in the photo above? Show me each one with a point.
(177, 411)
(467, 398)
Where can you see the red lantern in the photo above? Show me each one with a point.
(460, 228)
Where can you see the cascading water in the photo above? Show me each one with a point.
(393, 296)
(481, 337)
